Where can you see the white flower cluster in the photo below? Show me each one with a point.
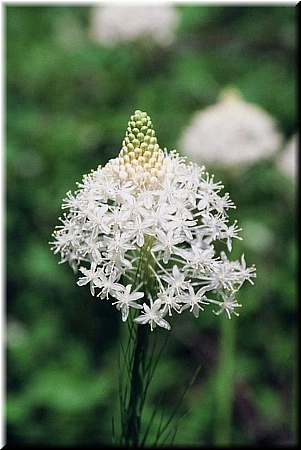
(116, 23)
(233, 133)
(145, 226)
(287, 160)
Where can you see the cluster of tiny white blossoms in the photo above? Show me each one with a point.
(142, 232)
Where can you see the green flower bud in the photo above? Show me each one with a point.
(140, 157)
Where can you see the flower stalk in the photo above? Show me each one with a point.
(225, 384)
(132, 420)
(140, 362)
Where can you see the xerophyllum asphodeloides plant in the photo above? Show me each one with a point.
(141, 232)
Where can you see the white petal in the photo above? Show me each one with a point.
(163, 323)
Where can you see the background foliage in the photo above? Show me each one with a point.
(67, 106)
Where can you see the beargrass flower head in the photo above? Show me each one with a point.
(115, 23)
(231, 133)
(142, 233)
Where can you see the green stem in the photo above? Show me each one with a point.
(139, 365)
(295, 387)
(224, 385)
(137, 388)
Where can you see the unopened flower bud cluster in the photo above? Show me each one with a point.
(140, 158)
(142, 233)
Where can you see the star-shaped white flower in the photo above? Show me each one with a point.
(153, 315)
(194, 301)
(227, 305)
(127, 300)
(91, 276)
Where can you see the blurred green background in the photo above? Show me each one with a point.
(68, 101)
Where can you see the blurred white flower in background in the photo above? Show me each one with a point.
(287, 159)
(113, 23)
(231, 133)
(16, 333)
